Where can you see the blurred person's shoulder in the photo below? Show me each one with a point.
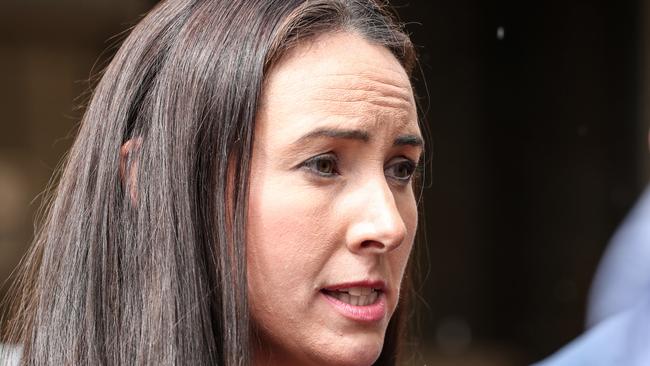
(10, 355)
(623, 339)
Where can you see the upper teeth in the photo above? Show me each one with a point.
(358, 291)
(350, 296)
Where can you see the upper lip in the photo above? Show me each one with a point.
(375, 284)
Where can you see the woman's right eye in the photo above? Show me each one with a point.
(324, 165)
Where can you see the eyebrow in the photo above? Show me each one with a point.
(336, 134)
(401, 140)
(411, 140)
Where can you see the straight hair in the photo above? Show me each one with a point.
(150, 268)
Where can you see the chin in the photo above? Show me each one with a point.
(361, 350)
(361, 357)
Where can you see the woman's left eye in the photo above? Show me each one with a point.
(402, 170)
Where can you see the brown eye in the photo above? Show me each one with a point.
(323, 165)
(401, 171)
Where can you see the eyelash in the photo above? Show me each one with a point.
(312, 165)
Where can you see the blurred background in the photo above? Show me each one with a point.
(537, 113)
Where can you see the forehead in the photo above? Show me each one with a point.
(338, 80)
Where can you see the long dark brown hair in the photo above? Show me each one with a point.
(154, 272)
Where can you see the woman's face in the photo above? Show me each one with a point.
(332, 213)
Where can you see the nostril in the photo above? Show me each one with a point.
(371, 244)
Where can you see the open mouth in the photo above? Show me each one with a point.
(357, 296)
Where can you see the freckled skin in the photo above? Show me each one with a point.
(307, 231)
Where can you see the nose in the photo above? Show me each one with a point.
(376, 225)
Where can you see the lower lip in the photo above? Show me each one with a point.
(368, 313)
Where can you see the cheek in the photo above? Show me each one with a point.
(283, 227)
(286, 246)
(409, 213)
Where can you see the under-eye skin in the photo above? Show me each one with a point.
(401, 170)
(324, 165)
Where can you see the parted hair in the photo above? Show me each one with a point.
(150, 269)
